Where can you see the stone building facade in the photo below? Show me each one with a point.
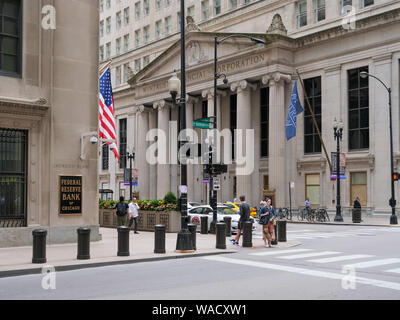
(329, 47)
(48, 99)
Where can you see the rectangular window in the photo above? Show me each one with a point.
(344, 4)
(108, 4)
(301, 13)
(13, 177)
(204, 109)
(158, 29)
(10, 37)
(232, 4)
(312, 143)
(101, 28)
(101, 4)
(146, 31)
(108, 25)
(137, 38)
(146, 7)
(217, 7)
(264, 121)
(358, 187)
(137, 10)
(118, 75)
(319, 10)
(313, 188)
(190, 11)
(104, 157)
(167, 25)
(167, 3)
(146, 60)
(127, 72)
(358, 104)
(101, 54)
(158, 4)
(118, 20)
(366, 3)
(126, 15)
(126, 42)
(122, 142)
(204, 10)
(118, 46)
(137, 65)
(233, 121)
(108, 50)
(178, 20)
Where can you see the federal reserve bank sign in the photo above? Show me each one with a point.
(70, 195)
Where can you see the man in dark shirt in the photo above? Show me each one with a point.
(244, 216)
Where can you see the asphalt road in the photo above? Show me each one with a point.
(333, 262)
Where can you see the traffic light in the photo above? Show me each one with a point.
(396, 176)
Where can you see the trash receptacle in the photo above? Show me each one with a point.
(83, 243)
(39, 246)
(228, 223)
(281, 226)
(204, 225)
(159, 238)
(247, 234)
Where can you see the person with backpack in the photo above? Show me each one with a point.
(121, 210)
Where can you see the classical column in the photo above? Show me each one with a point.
(141, 147)
(163, 167)
(152, 115)
(244, 153)
(277, 139)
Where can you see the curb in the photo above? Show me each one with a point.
(343, 224)
(32, 271)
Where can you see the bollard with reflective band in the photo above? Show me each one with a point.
(83, 243)
(281, 224)
(159, 238)
(192, 229)
(356, 215)
(228, 223)
(39, 246)
(247, 234)
(220, 235)
(123, 241)
(274, 242)
(204, 225)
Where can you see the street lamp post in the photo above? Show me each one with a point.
(213, 193)
(184, 240)
(392, 200)
(338, 134)
(131, 157)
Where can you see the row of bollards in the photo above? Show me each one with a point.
(223, 230)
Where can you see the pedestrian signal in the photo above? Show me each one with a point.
(396, 176)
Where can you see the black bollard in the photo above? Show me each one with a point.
(220, 236)
(83, 243)
(204, 225)
(123, 241)
(356, 215)
(159, 238)
(274, 242)
(247, 234)
(228, 223)
(281, 230)
(39, 246)
(192, 229)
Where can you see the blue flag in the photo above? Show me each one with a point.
(295, 108)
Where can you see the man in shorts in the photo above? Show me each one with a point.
(244, 211)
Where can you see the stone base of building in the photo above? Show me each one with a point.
(15, 237)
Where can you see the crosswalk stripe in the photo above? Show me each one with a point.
(374, 263)
(269, 253)
(393, 270)
(341, 258)
(307, 255)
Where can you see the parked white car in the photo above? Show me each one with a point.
(196, 213)
(191, 205)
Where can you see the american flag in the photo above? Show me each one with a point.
(106, 110)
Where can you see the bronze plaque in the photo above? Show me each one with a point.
(70, 195)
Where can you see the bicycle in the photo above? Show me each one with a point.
(303, 213)
(284, 213)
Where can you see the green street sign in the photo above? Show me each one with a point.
(202, 125)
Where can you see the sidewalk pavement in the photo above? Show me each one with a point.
(18, 260)
(382, 220)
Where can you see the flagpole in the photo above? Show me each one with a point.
(314, 120)
(105, 66)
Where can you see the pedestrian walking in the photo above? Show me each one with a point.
(244, 211)
(121, 209)
(133, 214)
(267, 220)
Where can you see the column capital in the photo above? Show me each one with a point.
(161, 104)
(276, 77)
(243, 85)
(191, 99)
(207, 93)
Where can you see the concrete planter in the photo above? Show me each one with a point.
(146, 220)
